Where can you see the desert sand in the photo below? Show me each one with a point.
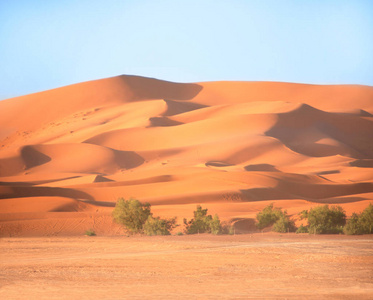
(268, 266)
(67, 154)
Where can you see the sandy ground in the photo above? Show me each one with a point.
(270, 266)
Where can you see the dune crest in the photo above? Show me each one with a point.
(67, 154)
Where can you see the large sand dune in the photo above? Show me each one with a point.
(67, 154)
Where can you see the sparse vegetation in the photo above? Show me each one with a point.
(366, 219)
(275, 216)
(323, 219)
(284, 224)
(302, 229)
(215, 225)
(137, 217)
(158, 226)
(90, 232)
(303, 214)
(360, 223)
(132, 214)
(353, 225)
(227, 228)
(202, 222)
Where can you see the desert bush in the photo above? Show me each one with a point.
(303, 214)
(132, 214)
(90, 232)
(202, 222)
(267, 217)
(274, 216)
(284, 224)
(360, 223)
(215, 225)
(227, 228)
(158, 226)
(323, 219)
(302, 229)
(366, 219)
(353, 225)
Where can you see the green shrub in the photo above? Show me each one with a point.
(303, 214)
(323, 219)
(366, 219)
(267, 217)
(158, 226)
(274, 216)
(132, 214)
(353, 225)
(179, 233)
(90, 232)
(215, 225)
(362, 223)
(227, 228)
(284, 224)
(302, 229)
(202, 222)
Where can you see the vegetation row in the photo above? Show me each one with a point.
(137, 217)
(320, 220)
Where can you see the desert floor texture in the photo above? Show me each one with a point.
(269, 266)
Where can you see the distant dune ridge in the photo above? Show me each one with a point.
(67, 154)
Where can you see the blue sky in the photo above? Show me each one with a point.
(48, 44)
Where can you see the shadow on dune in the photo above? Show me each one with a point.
(339, 200)
(163, 122)
(218, 164)
(362, 163)
(175, 107)
(26, 191)
(100, 203)
(128, 159)
(33, 157)
(244, 225)
(310, 192)
(261, 168)
(151, 88)
(312, 132)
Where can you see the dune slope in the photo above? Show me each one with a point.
(67, 154)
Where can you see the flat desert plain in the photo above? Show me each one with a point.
(268, 266)
(68, 154)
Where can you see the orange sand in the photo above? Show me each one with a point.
(67, 154)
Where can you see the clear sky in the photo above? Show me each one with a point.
(48, 44)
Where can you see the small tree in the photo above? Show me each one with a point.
(158, 226)
(202, 222)
(323, 219)
(132, 214)
(274, 216)
(302, 229)
(353, 225)
(284, 224)
(215, 225)
(303, 214)
(360, 223)
(267, 217)
(366, 219)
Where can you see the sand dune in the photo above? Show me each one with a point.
(67, 154)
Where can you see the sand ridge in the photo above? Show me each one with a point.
(67, 154)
